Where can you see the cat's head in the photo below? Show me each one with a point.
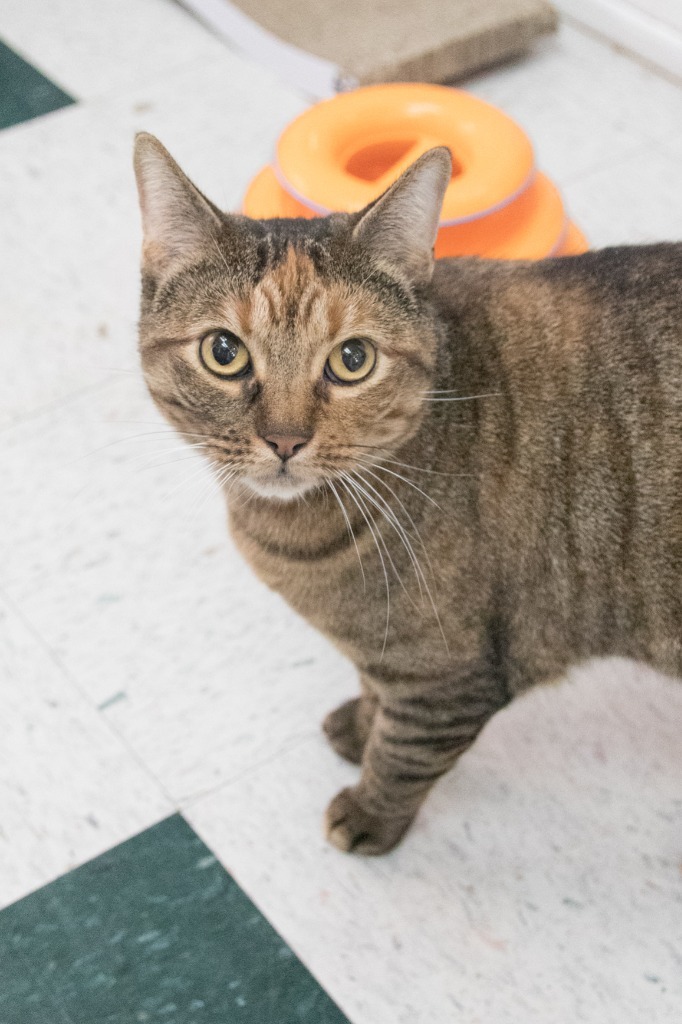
(293, 350)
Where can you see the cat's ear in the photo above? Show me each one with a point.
(401, 226)
(178, 222)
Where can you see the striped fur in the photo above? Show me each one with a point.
(459, 549)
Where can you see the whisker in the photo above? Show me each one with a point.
(136, 437)
(397, 497)
(419, 469)
(350, 531)
(418, 569)
(447, 391)
(251, 495)
(219, 251)
(200, 446)
(374, 504)
(210, 487)
(362, 494)
(203, 468)
(225, 475)
(459, 398)
(384, 469)
(166, 462)
(390, 517)
(349, 485)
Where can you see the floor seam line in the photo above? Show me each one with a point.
(294, 744)
(82, 693)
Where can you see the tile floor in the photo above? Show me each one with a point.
(158, 908)
(144, 671)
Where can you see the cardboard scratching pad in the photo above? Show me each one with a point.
(398, 40)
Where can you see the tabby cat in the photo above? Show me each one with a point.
(466, 473)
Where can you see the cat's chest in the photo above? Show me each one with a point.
(327, 584)
(363, 602)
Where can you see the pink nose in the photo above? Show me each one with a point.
(286, 445)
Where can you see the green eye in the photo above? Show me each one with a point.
(350, 361)
(224, 354)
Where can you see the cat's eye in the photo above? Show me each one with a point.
(223, 353)
(350, 361)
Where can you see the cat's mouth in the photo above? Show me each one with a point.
(282, 484)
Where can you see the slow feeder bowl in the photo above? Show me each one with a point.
(575, 242)
(342, 153)
(530, 227)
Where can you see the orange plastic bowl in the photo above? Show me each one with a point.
(530, 227)
(574, 243)
(265, 198)
(343, 152)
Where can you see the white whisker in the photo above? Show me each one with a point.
(251, 495)
(376, 460)
(350, 531)
(165, 462)
(194, 448)
(405, 510)
(136, 437)
(199, 470)
(211, 486)
(220, 252)
(384, 469)
(459, 398)
(349, 485)
(408, 545)
(390, 517)
(362, 494)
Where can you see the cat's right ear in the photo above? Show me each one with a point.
(400, 227)
(177, 220)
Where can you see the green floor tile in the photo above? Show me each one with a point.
(24, 92)
(153, 931)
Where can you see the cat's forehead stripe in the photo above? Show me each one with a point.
(290, 293)
(268, 300)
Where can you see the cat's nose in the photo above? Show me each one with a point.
(286, 445)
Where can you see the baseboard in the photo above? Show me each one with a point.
(640, 33)
(319, 78)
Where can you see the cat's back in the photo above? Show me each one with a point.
(632, 288)
(631, 300)
(580, 453)
(605, 321)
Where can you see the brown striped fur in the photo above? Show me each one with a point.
(544, 520)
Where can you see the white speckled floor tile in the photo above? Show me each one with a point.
(632, 200)
(69, 788)
(71, 231)
(542, 882)
(144, 600)
(91, 49)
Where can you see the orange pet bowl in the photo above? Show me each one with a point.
(575, 242)
(343, 153)
(265, 198)
(530, 227)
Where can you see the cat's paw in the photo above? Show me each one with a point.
(353, 830)
(341, 728)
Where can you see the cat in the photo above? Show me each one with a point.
(466, 473)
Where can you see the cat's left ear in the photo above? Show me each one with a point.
(178, 222)
(401, 226)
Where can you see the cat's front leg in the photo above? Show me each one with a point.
(413, 741)
(348, 726)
